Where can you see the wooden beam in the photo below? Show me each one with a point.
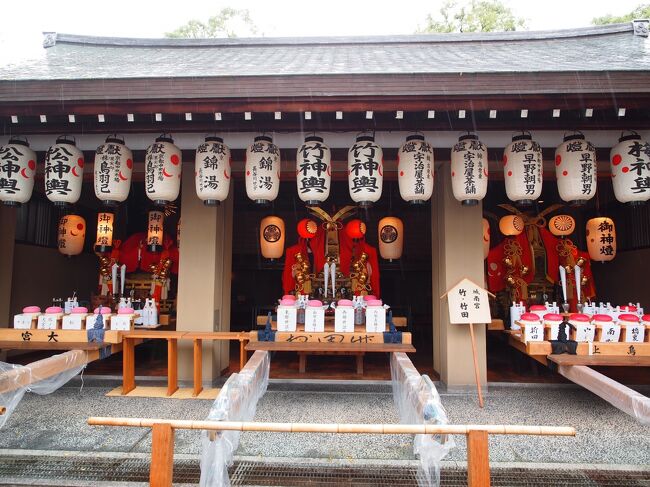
(161, 472)
(172, 366)
(198, 367)
(333, 347)
(128, 365)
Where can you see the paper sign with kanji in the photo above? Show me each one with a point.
(468, 303)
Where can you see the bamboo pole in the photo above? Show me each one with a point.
(476, 369)
(386, 429)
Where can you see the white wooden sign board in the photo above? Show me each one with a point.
(22, 322)
(468, 303)
(314, 320)
(375, 319)
(121, 322)
(73, 322)
(344, 320)
(47, 322)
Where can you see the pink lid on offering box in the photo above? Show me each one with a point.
(79, 310)
(579, 317)
(603, 318)
(628, 317)
(529, 317)
(289, 296)
(31, 309)
(646, 317)
(314, 303)
(631, 309)
(553, 317)
(288, 302)
(538, 307)
(344, 302)
(370, 297)
(105, 310)
(54, 309)
(125, 311)
(374, 302)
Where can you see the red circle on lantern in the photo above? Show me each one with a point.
(355, 229)
(564, 173)
(509, 173)
(80, 161)
(401, 173)
(505, 159)
(129, 163)
(616, 160)
(626, 169)
(307, 228)
(174, 159)
(453, 174)
(80, 226)
(31, 165)
(248, 173)
(558, 160)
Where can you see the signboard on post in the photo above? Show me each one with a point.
(469, 304)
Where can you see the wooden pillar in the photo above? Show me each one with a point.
(457, 252)
(162, 456)
(7, 239)
(478, 461)
(204, 277)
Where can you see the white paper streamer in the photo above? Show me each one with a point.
(563, 280)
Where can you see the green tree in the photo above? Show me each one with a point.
(641, 12)
(225, 24)
(473, 16)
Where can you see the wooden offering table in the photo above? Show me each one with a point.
(329, 343)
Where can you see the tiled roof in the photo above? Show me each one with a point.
(602, 48)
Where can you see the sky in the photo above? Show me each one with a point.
(25, 20)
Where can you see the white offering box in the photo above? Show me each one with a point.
(533, 328)
(375, 319)
(74, 321)
(552, 307)
(344, 319)
(552, 327)
(611, 332)
(69, 305)
(25, 321)
(122, 322)
(516, 310)
(287, 318)
(314, 319)
(633, 333)
(585, 331)
(90, 321)
(49, 321)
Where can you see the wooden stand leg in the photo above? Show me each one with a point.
(476, 371)
(172, 366)
(128, 366)
(359, 359)
(243, 358)
(478, 460)
(302, 362)
(198, 367)
(162, 456)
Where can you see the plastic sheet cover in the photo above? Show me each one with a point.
(41, 377)
(237, 401)
(418, 402)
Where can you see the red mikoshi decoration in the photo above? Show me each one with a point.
(307, 228)
(355, 229)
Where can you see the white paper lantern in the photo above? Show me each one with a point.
(104, 240)
(415, 169)
(365, 171)
(272, 237)
(113, 169)
(155, 227)
(391, 237)
(469, 170)
(630, 165)
(601, 239)
(575, 169)
(72, 234)
(17, 170)
(262, 170)
(64, 167)
(562, 225)
(162, 170)
(212, 171)
(486, 238)
(313, 171)
(511, 225)
(522, 169)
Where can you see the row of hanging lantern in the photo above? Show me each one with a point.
(390, 232)
(600, 233)
(575, 169)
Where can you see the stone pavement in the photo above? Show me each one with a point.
(604, 434)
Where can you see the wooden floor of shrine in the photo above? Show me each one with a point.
(505, 364)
